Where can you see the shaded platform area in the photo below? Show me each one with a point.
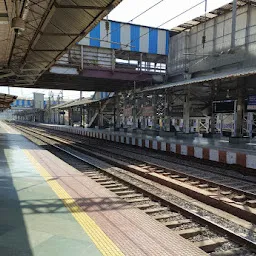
(33, 219)
(49, 208)
(214, 149)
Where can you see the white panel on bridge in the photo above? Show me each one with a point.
(125, 37)
(105, 36)
(161, 48)
(144, 39)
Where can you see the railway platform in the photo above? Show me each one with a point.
(50, 208)
(213, 149)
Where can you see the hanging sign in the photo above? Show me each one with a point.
(251, 105)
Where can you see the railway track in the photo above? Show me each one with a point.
(205, 231)
(228, 197)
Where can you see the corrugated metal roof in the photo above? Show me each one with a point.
(197, 80)
(210, 15)
(52, 27)
(74, 103)
(6, 100)
(62, 104)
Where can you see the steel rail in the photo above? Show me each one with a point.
(214, 201)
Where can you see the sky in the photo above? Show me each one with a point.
(125, 12)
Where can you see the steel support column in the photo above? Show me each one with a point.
(100, 116)
(239, 111)
(233, 32)
(154, 105)
(117, 112)
(186, 111)
(134, 113)
(167, 112)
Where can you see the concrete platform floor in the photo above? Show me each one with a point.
(33, 219)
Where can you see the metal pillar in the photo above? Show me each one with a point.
(213, 123)
(239, 110)
(233, 32)
(134, 113)
(117, 107)
(221, 124)
(100, 117)
(186, 111)
(251, 122)
(124, 107)
(213, 115)
(167, 112)
(154, 105)
(142, 104)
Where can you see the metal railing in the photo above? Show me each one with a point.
(83, 57)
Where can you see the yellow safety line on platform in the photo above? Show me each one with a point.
(100, 239)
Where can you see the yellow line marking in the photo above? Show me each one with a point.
(100, 239)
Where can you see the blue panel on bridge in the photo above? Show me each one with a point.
(153, 41)
(115, 35)
(167, 42)
(22, 103)
(95, 33)
(143, 39)
(135, 38)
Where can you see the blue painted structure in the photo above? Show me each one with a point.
(100, 95)
(128, 37)
(24, 103)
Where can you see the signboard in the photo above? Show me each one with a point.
(225, 106)
(38, 100)
(148, 111)
(62, 112)
(251, 105)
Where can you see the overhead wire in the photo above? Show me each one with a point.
(173, 18)
(137, 16)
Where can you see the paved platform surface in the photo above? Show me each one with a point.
(218, 150)
(49, 208)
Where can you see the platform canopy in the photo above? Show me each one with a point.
(52, 27)
(211, 15)
(6, 100)
(232, 74)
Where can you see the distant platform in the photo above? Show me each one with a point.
(214, 149)
(48, 210)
